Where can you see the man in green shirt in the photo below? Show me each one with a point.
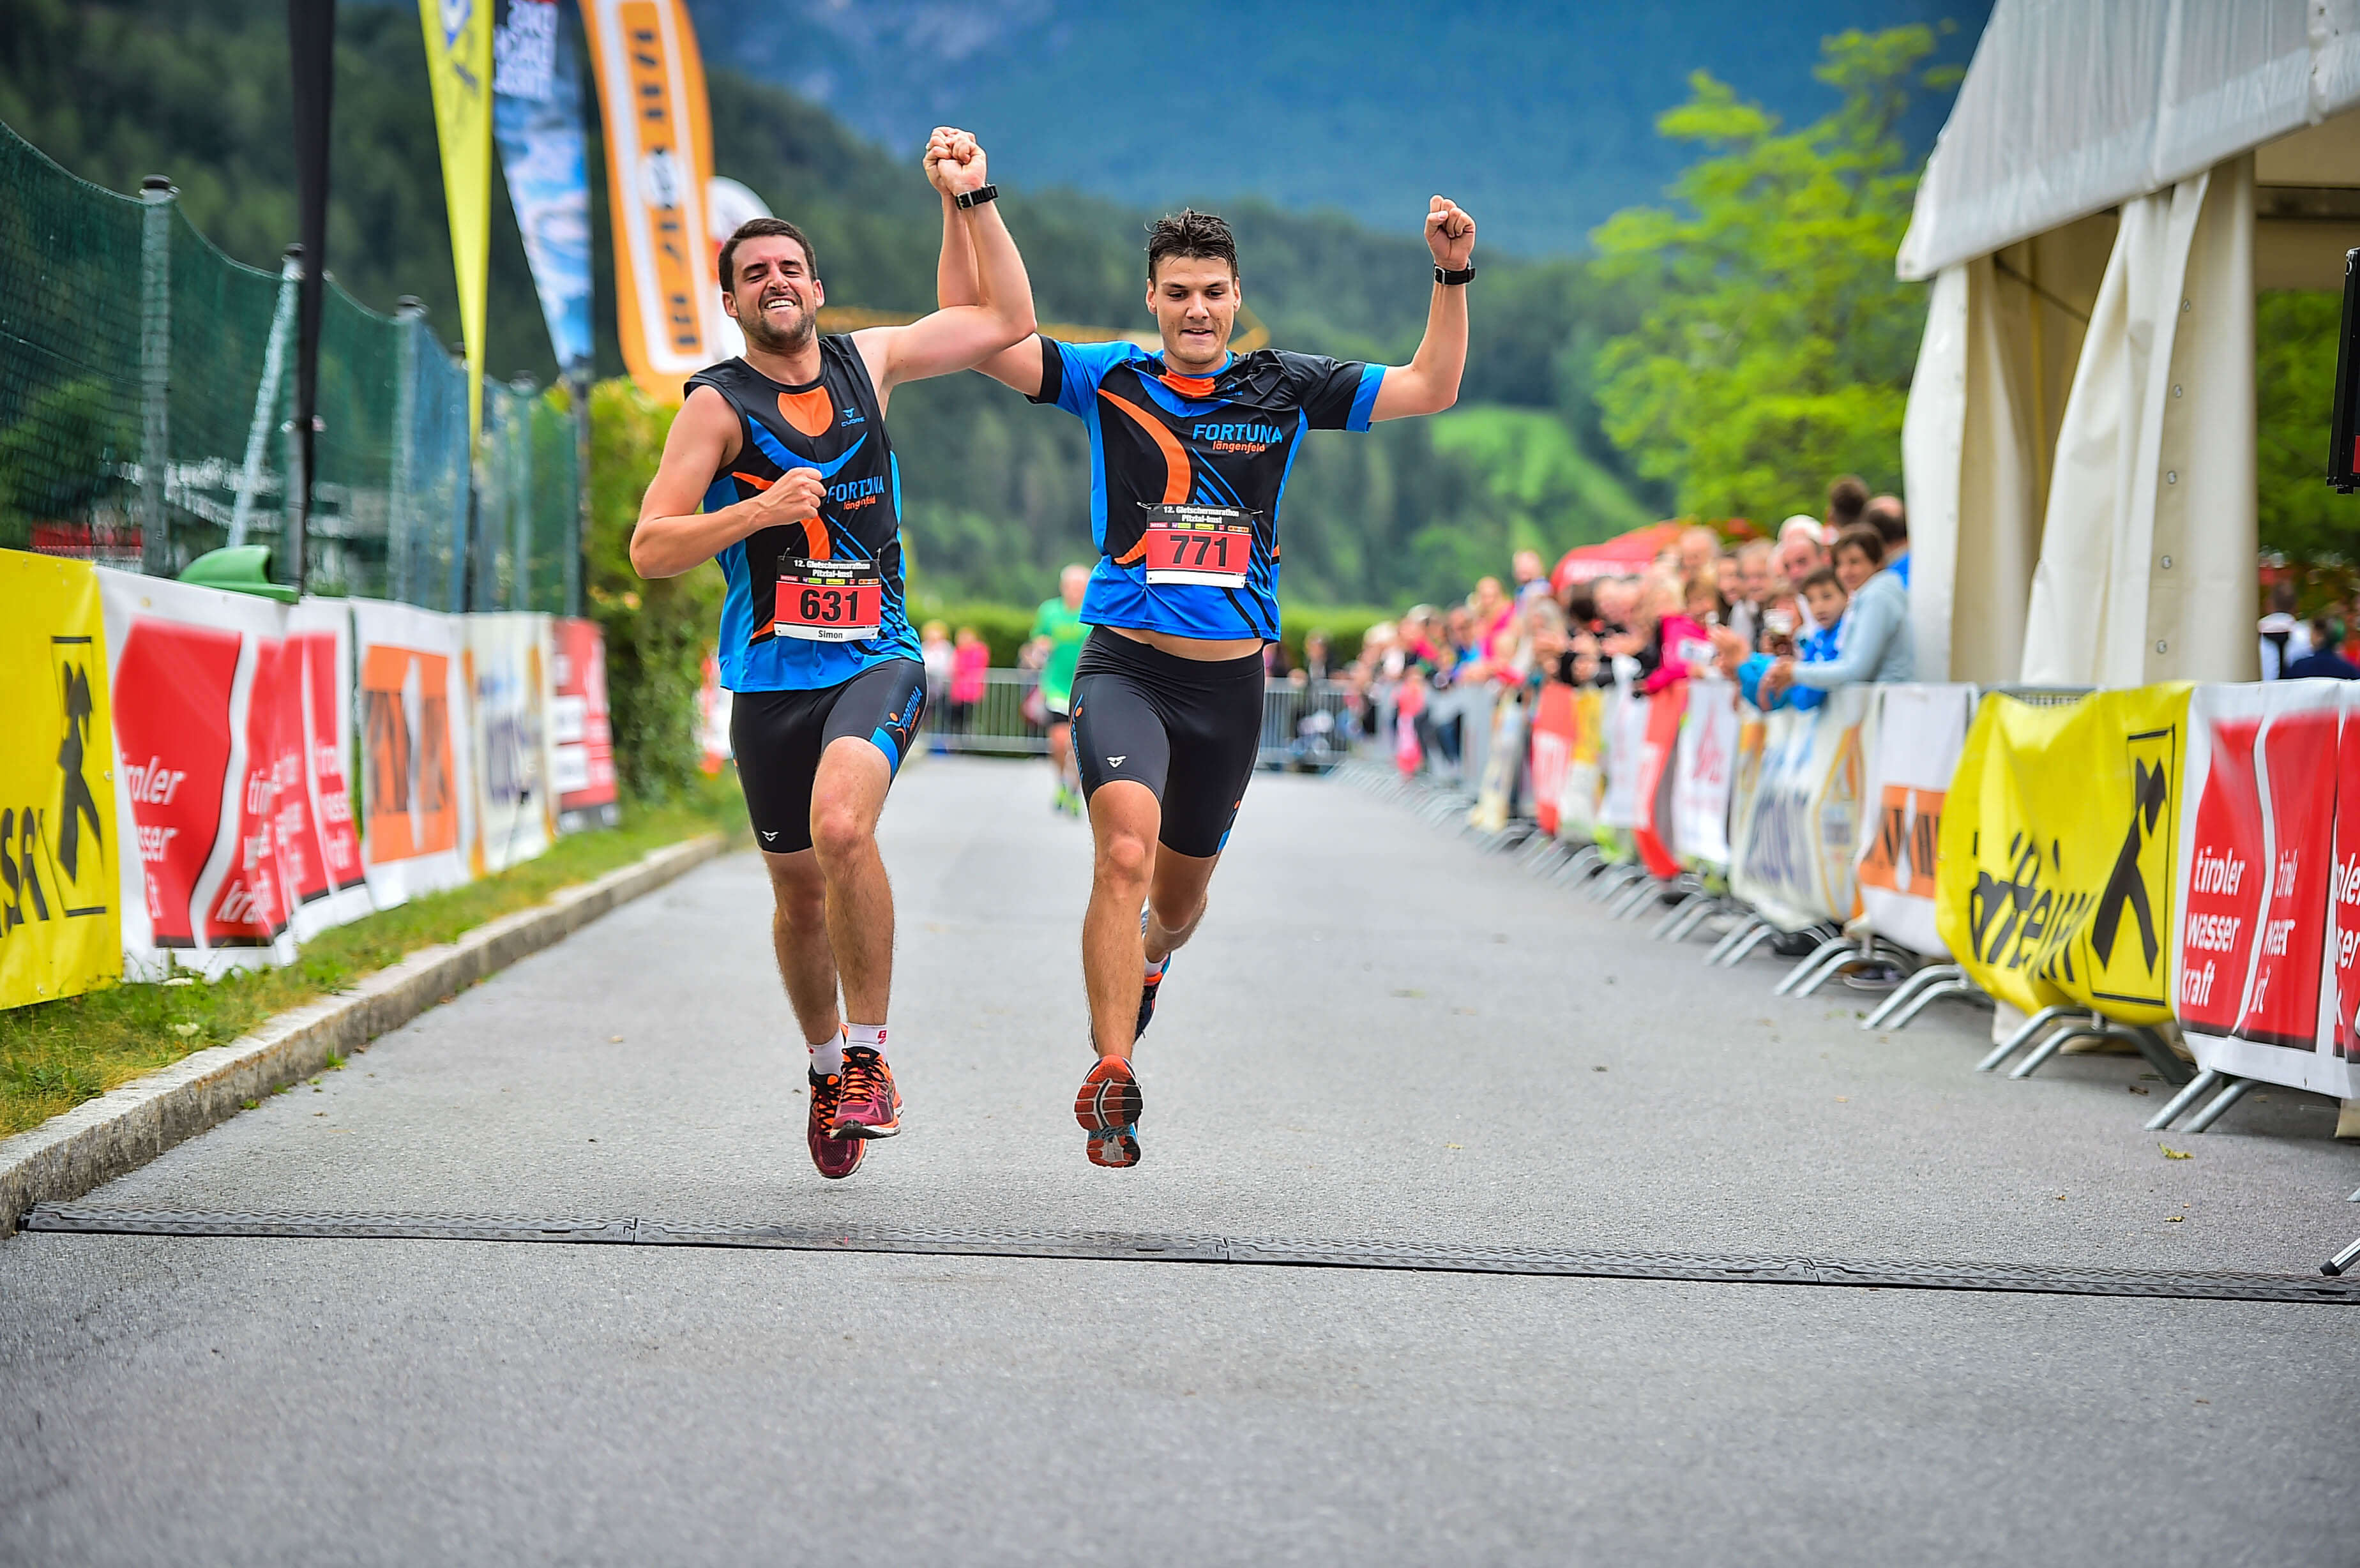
(1058, 634)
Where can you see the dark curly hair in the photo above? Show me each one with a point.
(1190, 233)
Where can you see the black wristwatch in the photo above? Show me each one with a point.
(978, 196)
(1453, 278)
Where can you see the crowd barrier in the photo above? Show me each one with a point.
(201, 779)
(2169, 863)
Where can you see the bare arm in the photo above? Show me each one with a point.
(997, 313)
(672, 535)
(954, 284)
(1429, 382)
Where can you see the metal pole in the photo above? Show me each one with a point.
(155, 373)
(266, 396)
(520, 495)
(410, 313)
(576, 554)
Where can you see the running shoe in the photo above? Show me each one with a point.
(1149, 986)
(868, 1105)
(1108, 1107)
(836, 1158)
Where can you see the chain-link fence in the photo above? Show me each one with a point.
(147, 410)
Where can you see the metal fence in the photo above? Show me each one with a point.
(146, 407)
(1309, 726)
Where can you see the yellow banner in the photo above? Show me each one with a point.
(2058, 837)
(459, 64)
(61, 876)
(658, 163)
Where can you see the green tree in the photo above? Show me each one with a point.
(1776, 347)
(657, 632)
(2295, 336)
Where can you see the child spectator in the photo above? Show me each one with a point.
(1824, 594)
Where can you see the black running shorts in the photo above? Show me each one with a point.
(778, 737)
(1188, 729)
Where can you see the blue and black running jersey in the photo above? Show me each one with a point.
(1187, 473)
(813, 605)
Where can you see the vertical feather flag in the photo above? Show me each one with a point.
(659, 163)
(459, 64)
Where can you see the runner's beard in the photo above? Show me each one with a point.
(771, 339)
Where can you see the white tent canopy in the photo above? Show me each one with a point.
(2116, 180)
(2075, 106)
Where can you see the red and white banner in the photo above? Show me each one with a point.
(320, 661)
(1651, 790)
(417, 810)
(579, 728)
(218, 777)
(1920, 731)
(2258, 959)
(1704, 774)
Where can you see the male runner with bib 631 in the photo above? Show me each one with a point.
(786, 449)
(1190, 450)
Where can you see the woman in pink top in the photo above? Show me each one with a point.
(970, 657)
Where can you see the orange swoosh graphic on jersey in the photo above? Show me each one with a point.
(811, 413)
(815, 531)
(1176, 471)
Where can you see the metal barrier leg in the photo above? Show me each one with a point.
(2024, 1031)
(1753, 939)
(1735, 934)
(2196, 1089)
(1818, 955)
(1632, 902)
(1679, 912)
(1700, 912)
(2169, 1067)
(1907, 989)
(1833, 967)
(1960, 987)
(2212, 1113)
(2340, 1261)
(1613, 881)
(2053, 1044)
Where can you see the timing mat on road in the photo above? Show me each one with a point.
(1421, 1256)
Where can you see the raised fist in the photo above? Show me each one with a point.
(792, 496)
(954, 164)
(1449, 234)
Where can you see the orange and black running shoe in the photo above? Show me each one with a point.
(868, 1105)
(1108, 1107)
(836, 1158)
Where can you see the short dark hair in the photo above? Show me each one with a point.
(1819, 576)
(1190, 233)
(763, 228)
(1890, 519)
(1865, 538)
(1846, 498)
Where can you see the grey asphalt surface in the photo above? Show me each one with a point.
(1380, 1033)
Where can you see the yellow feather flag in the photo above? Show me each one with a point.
(459, 64)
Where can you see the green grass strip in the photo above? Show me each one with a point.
(55, 1055)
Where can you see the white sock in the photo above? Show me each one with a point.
(828, 1056)
(869, 1037)
(1155, 965)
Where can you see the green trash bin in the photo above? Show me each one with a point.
(245, 569)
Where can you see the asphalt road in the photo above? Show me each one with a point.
(1378, 1034)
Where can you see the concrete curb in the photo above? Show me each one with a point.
(71, 1153)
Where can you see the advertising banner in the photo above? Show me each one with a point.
(658, 160)
(1553, 738)
(1625, 745)
(511, 742)
(319, 644)
(2058, 839)
(537, 120)
(1704, 774)
(1503, 765)
(459, 71)
(1658, 743)
(1919, 733)
(2342, 981)
(580, 730)
(61, 859)
(2255, 994)
(417, 790)
(1803, 817)
(208, 776)
(1745, 780)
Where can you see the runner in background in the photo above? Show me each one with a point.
(1192, 446)
(1058, 633)
(779, 466)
